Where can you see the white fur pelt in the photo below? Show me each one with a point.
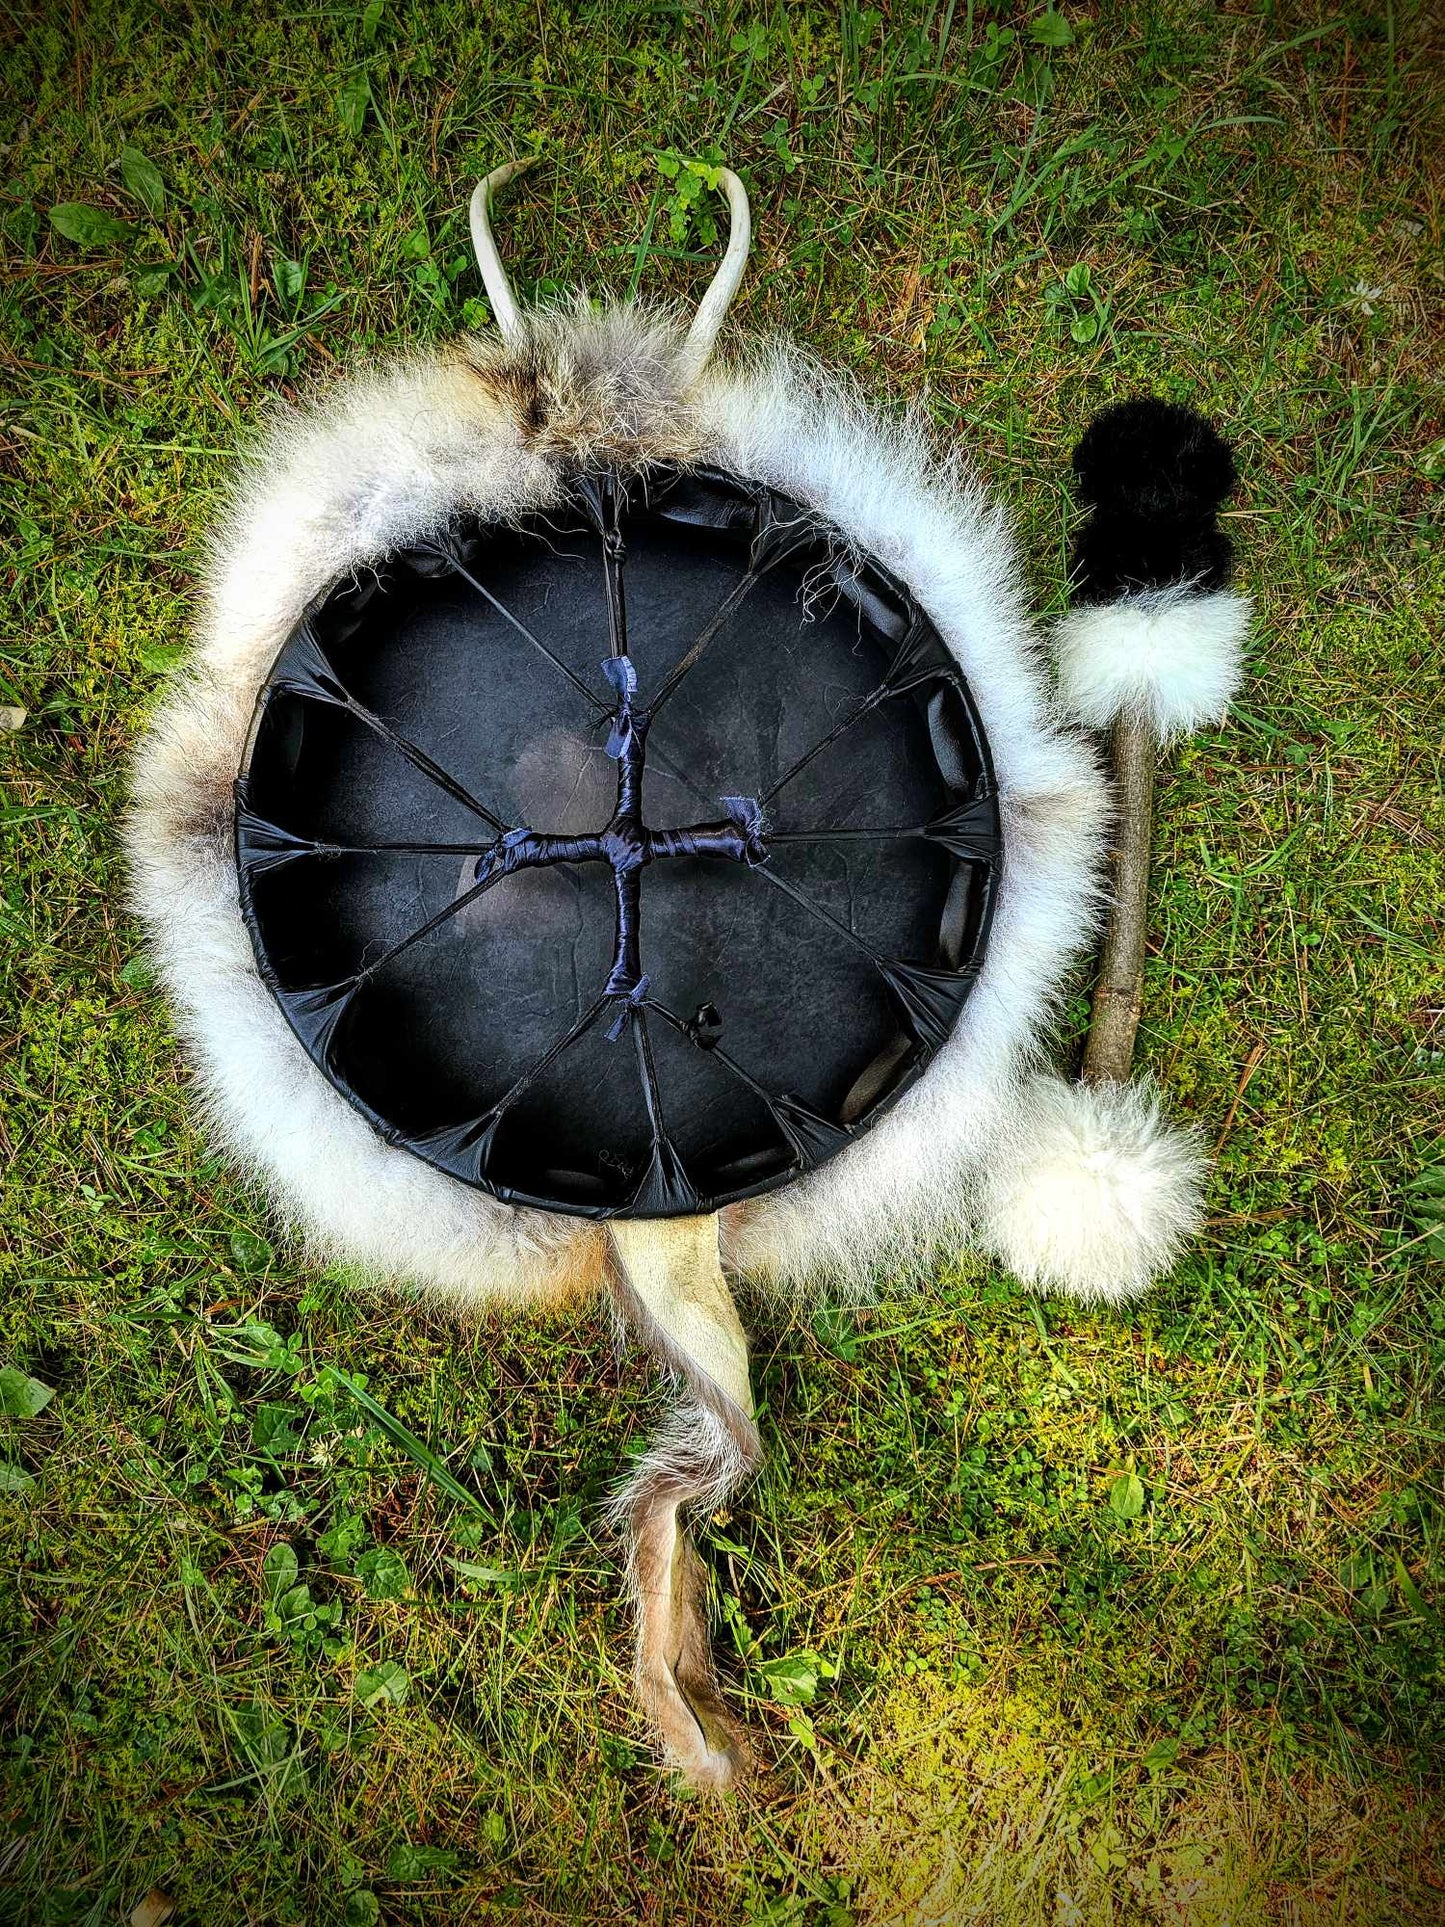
(1168, 656)
(1095, 1191)
(493, 432)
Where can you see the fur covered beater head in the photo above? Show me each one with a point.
(485, 1023)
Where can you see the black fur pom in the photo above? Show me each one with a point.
(1155, 475)
(1153, 459)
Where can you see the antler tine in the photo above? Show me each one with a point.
(507, 314)
(715, 303)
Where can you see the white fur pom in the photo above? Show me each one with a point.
(1170, 655)
(1094, 1192)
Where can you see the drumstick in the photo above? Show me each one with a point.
(1091, 1190)
(1150, 652)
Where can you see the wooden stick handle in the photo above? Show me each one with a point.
(1118, 994)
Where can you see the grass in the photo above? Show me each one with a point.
(1047, 1616)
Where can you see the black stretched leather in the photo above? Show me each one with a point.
(630, 860)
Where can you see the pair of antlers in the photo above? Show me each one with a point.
(711, 309)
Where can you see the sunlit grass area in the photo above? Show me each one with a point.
(309, 1615)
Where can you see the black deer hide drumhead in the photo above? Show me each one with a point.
(625, 860)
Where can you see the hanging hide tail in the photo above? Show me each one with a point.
(671, 1291)
(1094, 1192)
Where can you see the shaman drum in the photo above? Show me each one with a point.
(614, 835)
